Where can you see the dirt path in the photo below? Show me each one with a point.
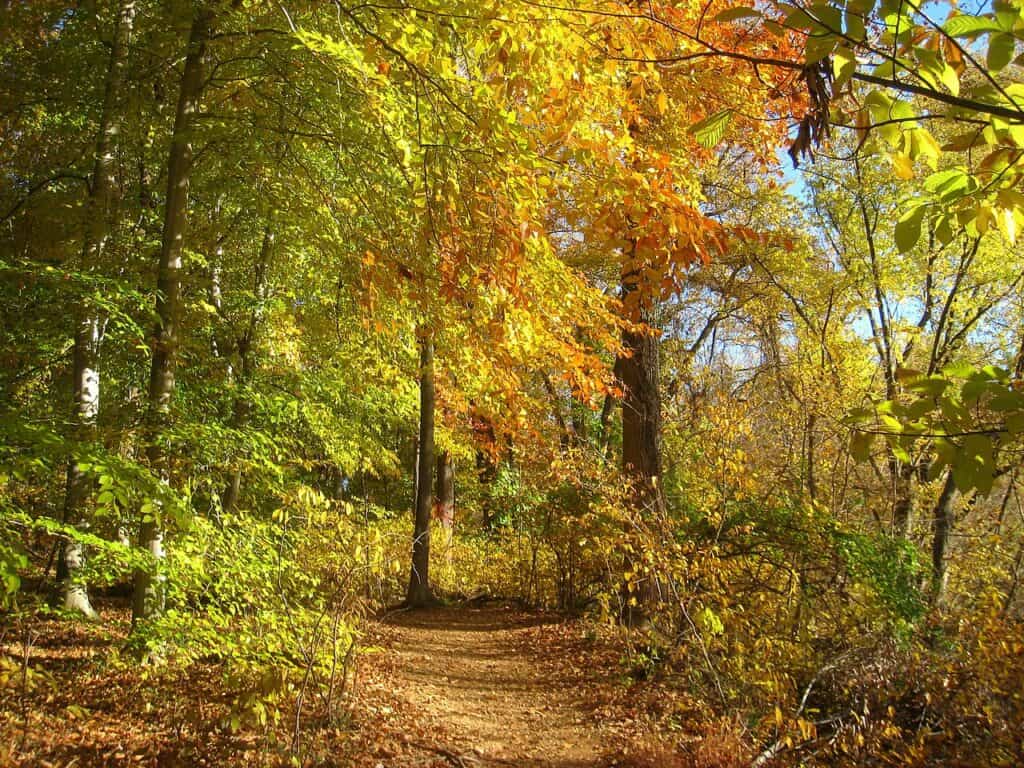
(482, 676)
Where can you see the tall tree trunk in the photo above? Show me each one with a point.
(486, 467)
(902, 475)
(71, 557)
(247, 365)
(420, 593)
(444, 505)
(638, 372)
(942, 531)
(85, 355)
(445, 491)
(148, 596)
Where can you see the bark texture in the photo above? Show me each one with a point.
(486, 466)
(902, 475)
(638, 371)
(942, 532)
(420, 593)
(99, 225)
(445, 490)
(148, 592)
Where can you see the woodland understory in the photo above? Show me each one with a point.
(524, 382)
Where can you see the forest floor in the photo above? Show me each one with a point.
(473, 686)
(501, 686)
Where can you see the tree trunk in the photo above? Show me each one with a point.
(942, 531)
(445, 490)
(638, 372)
(642, 417)
(903, 497)
(247, 365)
(71, 557)
(444, 506)
(486, 467)
(148, 596)
(420, 593)
(85, 355)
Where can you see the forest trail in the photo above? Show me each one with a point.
(484, 676)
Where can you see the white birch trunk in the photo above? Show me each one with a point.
(86, 374)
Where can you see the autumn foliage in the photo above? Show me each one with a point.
(669, 352)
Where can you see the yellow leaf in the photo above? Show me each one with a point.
(1008, 224)
(927, 147)
(902, 165)
(984, 218)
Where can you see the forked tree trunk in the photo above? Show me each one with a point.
(85, 355)
(148, 593)
(420, 593)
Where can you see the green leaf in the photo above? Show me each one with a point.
(973, 390)
(954, 412)
(855, 29)
(732, 14)
(891, 423)
(950, 184)
(959, 369)
(818, 47)
(974, 466)
(908, 228)
(920, 408)
(966, 26)
(931, 387)
(899, 451)
(798, 18)
(709, 622)
(950, 79)
(1000, 51)
(711, 130)
(844, 64)
(1007, 400)
(860, 445)
(964, 141)
(906, 375)
(1015, 423)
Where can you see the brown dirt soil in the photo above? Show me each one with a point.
(481, 674)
